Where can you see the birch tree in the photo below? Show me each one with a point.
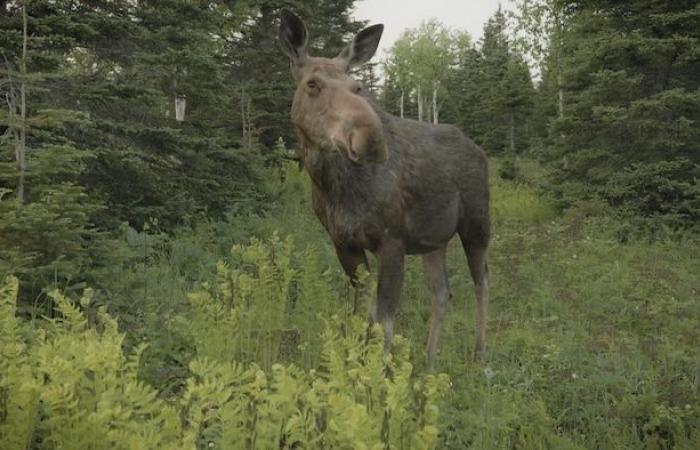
(420, 63)
(16, 100)
(540, 30)
(399, 69)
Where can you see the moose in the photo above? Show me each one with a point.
(390, 186)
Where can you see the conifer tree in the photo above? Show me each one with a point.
(630, 134)
(46, 213)
(464, 107)
(505, 91)
(369, 77)
(259, 73)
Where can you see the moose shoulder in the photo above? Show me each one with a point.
(387, 185)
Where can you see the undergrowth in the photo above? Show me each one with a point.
(245, 334)
(70, 385)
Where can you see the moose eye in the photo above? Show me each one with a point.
(312, 84)
(357, 89)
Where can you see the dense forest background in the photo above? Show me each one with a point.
(147, 168)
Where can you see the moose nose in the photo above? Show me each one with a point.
(366, 145)
(352, 152)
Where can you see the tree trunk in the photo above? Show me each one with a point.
(244, 116)
(248, 107)
(22, 144)
(511, 132)
(560, 97)
(246, 125)
(420, 105)
(558, 55)
(435, 104)
(511, 139)
(243, 124)
(401, 104)
(180, 106)
(561, 100)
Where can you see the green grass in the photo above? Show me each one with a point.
(519, 202)
(592, 343)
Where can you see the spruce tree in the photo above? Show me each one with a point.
(630, 134)
(368, 75)
(462, 109)
(259, 74)
(505, 91)
(46, 214)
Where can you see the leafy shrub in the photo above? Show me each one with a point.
(519, 202)
(75, 386)
(263, 305)
(69, 384)
(663, 193)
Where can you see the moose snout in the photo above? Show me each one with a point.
(365, 144)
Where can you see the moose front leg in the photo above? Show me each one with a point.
(390, 278)
(436, 273)
(351, 258)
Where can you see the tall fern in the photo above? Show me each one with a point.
(19, 383)
(70, 384)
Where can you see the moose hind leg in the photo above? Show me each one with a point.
(436, 274)
(475, 247)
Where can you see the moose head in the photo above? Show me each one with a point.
(330, 111)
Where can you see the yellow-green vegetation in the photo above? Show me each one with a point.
(70, 385)
(242, 335)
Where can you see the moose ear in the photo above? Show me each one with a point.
(363, 46)
(293, 37)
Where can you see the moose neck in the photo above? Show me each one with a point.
(340, 179)
(337, 177)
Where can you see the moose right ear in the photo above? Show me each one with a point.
(363, 47)
(293, 37)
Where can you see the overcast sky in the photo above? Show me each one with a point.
(397, 15)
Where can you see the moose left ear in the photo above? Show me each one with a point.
(363, 46)
(293, 36)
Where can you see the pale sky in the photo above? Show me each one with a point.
(397, 15)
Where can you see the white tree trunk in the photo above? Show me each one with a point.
(22, 144)
(420, 104)
(558, 56)
(180, 105)
(560, 105)
(435, 104)
(401, 103)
